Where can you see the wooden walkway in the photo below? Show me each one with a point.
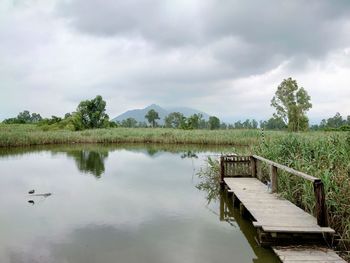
(307, 255)
(278, 221)
(270, 212)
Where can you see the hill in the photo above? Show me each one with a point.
(139, 114)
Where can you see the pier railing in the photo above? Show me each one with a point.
(246, 166)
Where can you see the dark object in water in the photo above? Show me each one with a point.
(44, 195)
(31, 191)
(31, 202)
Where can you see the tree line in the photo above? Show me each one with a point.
(90, 114)
(290, 101)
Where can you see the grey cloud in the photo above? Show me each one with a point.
(154, 20)
(188, 53)
(285, 28)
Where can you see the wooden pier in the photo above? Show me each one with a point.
(278, 221)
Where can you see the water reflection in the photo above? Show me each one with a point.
(90, 161)
(208, 180)
(189, 154)
(209, 184)
(231, 215)
(143, 209)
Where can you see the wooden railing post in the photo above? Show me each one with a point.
(253, 166)
(321, 210)
(273, 178)
(222, 172)
(222, 208)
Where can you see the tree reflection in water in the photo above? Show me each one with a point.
(209, 180)
(90, 161)
(189, 154)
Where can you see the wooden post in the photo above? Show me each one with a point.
(321, 210)
(235, 201)
(253, 166)
(222, 172)
(273, 178)
(222, 207)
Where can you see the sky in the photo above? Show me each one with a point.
(224, 57)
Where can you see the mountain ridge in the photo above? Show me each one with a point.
(139, 114)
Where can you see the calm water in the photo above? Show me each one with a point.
(116, 204)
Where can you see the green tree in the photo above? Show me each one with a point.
(336, 121)
(174, 120)
(35, 118)
(292, 103)
(129, 123)
(238, 125)
(254, 124)
(152, 116)
(194, 120)
(24, 117)
(93, 113)
(274, 123)
(214, 122)
(203, 124)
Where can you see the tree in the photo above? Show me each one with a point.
(238, 125)
(24, 117)
(194, 120)
(35, 118)
(292, 103)
(174, 120)
(54, 119)
(214, 122)
(93, 113)
(254, 124)
(129, 123)
(152, 116)
(336, 121)
(223, 126)
(274, 123)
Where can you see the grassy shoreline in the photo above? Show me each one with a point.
(26, 135)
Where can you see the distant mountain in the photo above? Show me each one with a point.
(139, 114)
(188, 112)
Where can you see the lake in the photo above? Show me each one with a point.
(138, 203)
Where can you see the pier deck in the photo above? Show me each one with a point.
(294, 235)
(270, 212)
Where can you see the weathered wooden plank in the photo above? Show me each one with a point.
(293, 229)
(272, 213)
(307, 254)
(287, 169)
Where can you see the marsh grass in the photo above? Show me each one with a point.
(25, 135)
(323, 155)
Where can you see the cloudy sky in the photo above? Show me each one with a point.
(225, 57)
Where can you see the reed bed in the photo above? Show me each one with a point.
(323, 155)
(26, 135)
